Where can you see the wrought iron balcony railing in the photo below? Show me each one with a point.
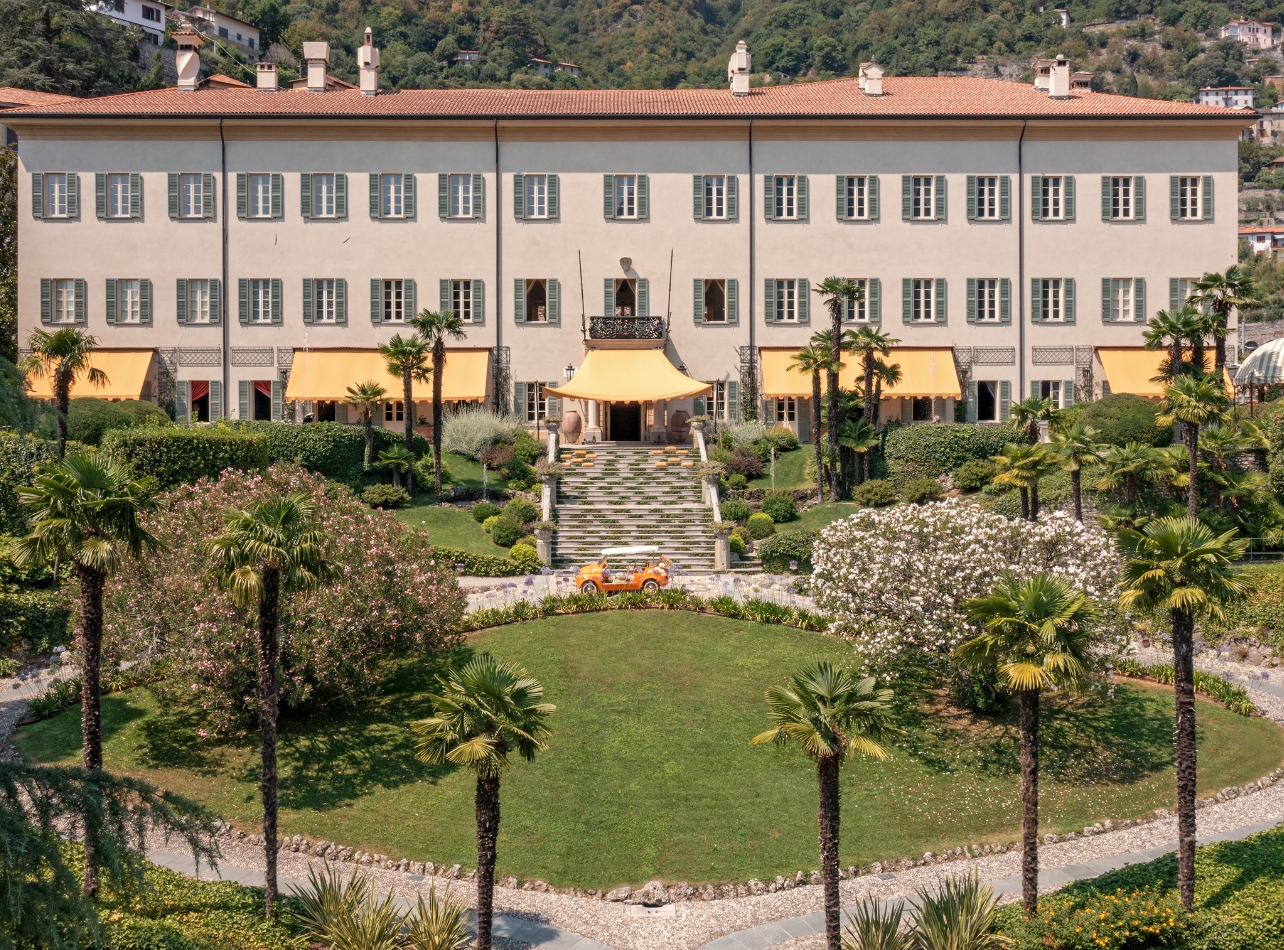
(626, 328)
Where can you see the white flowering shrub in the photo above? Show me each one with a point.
(895, 579)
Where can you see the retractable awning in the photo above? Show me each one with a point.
(1132, 369)
(629, 376)
(924, 372)
(327, 374)
(1264, 366)
(126, 372)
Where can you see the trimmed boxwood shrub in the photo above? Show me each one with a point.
(974, 475)
(875, 493)
(1124, 418)
(526, 559)
(181, 456)
(88, 417)
(738, 546)
(331, 449)
(930, 449)
(385, 496)
(742, 532)
(780, 506)
(761, 526)
(735, 509)
(505, 531)
(483, 510)
(490, 522)
(526, 540)
(779, 549)
(521, 510)
(527, 448)
(919, 491)
(737, 482)
(481, 565)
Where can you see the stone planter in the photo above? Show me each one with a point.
(544, 545)
(722, 546)
(551, 426)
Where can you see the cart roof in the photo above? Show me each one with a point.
(636, 549)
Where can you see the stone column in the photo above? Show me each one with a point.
(593, 430)
(552, 425)
(544, 544)
(710, 488)
(949, 408)
(657, 422)
(722, 547)
(548, 496)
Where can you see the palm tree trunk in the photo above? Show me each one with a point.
(1130, 489)
(367, 423)
(62, 401)
(1034, 501)
(1076, 489)
(269, 606)
(1184, 734)
(1192, 447)
(1219, 357)
(1197, 353)
(1025, 504)
(487, 838)
(815, 433)
(835, 420)
(1174, 359)
(1030, 800)
(91, 715)
(871, 415)
(438, 367)
(828, 817)
(409, 417)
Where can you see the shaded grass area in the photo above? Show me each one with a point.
(789, 471)
(650, 772)
(819, 516)
(465, 471)
(449, 527)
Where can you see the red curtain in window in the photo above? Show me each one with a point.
(199, 388)
(263, 386)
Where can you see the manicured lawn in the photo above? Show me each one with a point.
(464, 471)
(789, 471)
(449, 527)
(818, 516)
(650, 771)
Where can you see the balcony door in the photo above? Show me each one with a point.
(626, 298)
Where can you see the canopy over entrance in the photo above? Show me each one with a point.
(126, 376)
(1132, 369)
(1264, 367)
(629, 376)
(327, 374)
(924, 372)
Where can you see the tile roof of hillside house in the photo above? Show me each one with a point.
(904, 97)
(12, 97)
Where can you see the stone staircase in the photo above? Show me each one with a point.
(613, 496)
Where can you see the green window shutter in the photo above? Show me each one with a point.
(1036, 197)
(1174, 293)
(519, 196)
(173, 195)
(80, 301)
(73, 195)
(408, 195)
(1036, 387)
(479, 195)
(552, 405)
(608, 197)
(341, 302)
(46, 300)
(278, 401)
(733, 401)
(479, 302)
(180, 309)
(145, 301)
(182, 402)
(519, 400)
(733, 300)
(519, 299)
(216, 400)
(307, 299)
(242, 195)
(374, 195)
(376, 300)
(1174, 197)
(804, 420)
(1105, 197)
(769, 412)
(276, 300)
(38, 195)
(874, 300)
(608, 297)
(971, 300)
(801, 192)
(207, 196)
(733, 197)
(1206, 196)
(907, 197)
(939, 301)
(1005, 300)
(697, 197)
(871, 197)
(769, 300)
(408, 298)
(907, 410)
(243, 409)
(100, 195)
(555, 300)
(697, 306)
(551, 200)
(840, 196)
(1139, 299)
(1139, 198)
(1067, 299)
(769, 197)
(305, 194)
(1005, 400)
(972, 396)
(1067, 393)
(443, 295)
(644, 297)
(340, 195)
(1067, 197)
(971, 197)
(1105, 300)
(1036, 299)
(938, 193)
(803, 306)
(907, 300)
(216, 302)
(1005, 198)
(135, 195)
(243, 300)
(443, 195)
(278, 194)
(111, 300)
(644, 190)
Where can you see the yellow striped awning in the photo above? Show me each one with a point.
(126, 372)
(927, 371)
(629, 376)
(327, 374)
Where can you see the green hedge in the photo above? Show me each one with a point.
(41, 618)
(1259, 613)
(779, 549)
(482, 565)
(19, 457)
(181, 456)
(89, 418)
(331, 449)
(1124, 418)
(931, 449)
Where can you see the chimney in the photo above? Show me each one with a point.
(871, 78)
(317, 56)
(188, 60)
(1042, 73)
(1059, 78)
(266, 76)
(738, 70)
(368, 65)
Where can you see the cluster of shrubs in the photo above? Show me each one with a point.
(507, 526)
(498, 440)
(777, 508)
(745, 449)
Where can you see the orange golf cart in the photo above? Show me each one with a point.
(641, 567)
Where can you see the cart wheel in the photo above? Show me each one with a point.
(588, 587)
(650, 586)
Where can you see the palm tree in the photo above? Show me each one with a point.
(366, 398)
(838, 292)
(830, 713)
(408, 358)
(1030, 412)
(85, 507)
(871, 343)
(1219, 444)
(860, 437)
(1171, 331)
(1180, 566)
(1034, 634)
(884, 374)
(434, 328)
(265, 552)
(1220, 294)
(1192, 401)
(63, 355)
(485, 710)
(398, 461)
(1023, 466)
(1078, 451)
(1130, 466)
(811, 360)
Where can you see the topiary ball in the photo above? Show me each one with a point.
(780, 506)
(735, 509)
(919, 491)
(489, 524)
(505, 531)
(526, 558)
(973, 475)
(760, 526)
(483, 510)
(521, 510)
(738, 546)
(875, 493)
(385, 496)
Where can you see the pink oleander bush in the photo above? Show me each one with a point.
(393, 596)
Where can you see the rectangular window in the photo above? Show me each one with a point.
(193, 196)
(854, 197)
(987, 300)
(391, 188)
(198, 301)
(536, 196)
(222, 31)
(537, 301)
(924, 195)
(1185, 287)
(923, 288)
(1051, 300)
(260, 301)
(715, 301)
(715, 196)
(987, 401)
(535, 402)
(1188, 205)
(117, 196)
(323, 196)
(393, 301)
(1121, 299)
(394, 411)
(1050, 203)
(1121, 197)
(128, 305)
(786, 193)
(461, 299)
(55, 195)
(987, 196)
(260, 196)
(461, 196)
(789, 409)
(323, 300)
(856, 312)
(626, 196)
(64, 301)
(718, 401)
(151, 13)
(1051, 389)
(786, 302)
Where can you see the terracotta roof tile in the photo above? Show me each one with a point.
(27, 98)
(908, 96)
